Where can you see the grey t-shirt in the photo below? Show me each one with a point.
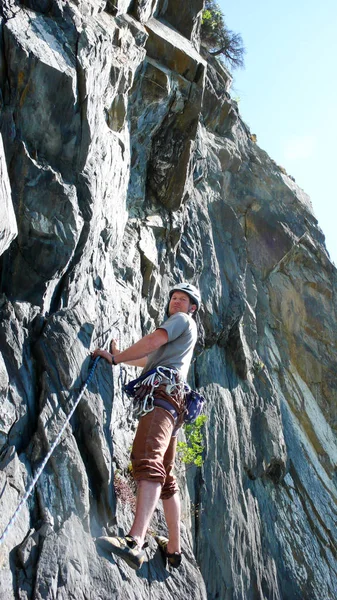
(178, 351)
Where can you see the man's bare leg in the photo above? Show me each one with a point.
(172, 516)
(148, 493)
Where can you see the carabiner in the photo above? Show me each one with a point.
(146, 410)
(159, 371)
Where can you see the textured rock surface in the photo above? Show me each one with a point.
(129, 168)
(8, 227)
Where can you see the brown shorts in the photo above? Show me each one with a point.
(154, 449)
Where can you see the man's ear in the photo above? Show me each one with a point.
(193, 308)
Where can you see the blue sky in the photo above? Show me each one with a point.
(288, 92)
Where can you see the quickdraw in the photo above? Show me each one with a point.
(142, 389)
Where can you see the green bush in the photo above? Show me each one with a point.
(190, 452)
(218, 39)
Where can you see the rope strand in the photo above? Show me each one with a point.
(52, 448)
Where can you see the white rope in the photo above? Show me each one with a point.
(52, 448)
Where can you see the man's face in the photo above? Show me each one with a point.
(180, 302)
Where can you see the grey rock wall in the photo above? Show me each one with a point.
(8, 225)
(129, 169)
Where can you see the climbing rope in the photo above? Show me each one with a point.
(52, 448)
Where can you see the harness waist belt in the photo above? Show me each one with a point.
(167, 406)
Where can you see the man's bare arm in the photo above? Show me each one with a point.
(114, 350)
(141, 362)
(138, 351)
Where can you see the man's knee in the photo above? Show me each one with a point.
(169, 489)
(148, 470)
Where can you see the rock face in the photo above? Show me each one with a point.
(130, 169)
(8, 225)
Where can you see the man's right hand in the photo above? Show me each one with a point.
(103, 354)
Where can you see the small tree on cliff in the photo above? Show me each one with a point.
(218, 39)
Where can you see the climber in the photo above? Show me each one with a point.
(153, 453)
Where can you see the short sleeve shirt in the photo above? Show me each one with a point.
(178, 351)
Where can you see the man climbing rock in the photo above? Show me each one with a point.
(170, 347)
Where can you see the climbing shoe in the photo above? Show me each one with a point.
(125, 547)
(174, 558)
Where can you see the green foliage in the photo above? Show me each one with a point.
(218, 39)
(190, 452)
(258, 365)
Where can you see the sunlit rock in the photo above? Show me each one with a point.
(129, 169)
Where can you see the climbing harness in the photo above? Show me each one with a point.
(142, 390)
(52, 448)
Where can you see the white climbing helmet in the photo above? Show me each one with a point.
(190, 290)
